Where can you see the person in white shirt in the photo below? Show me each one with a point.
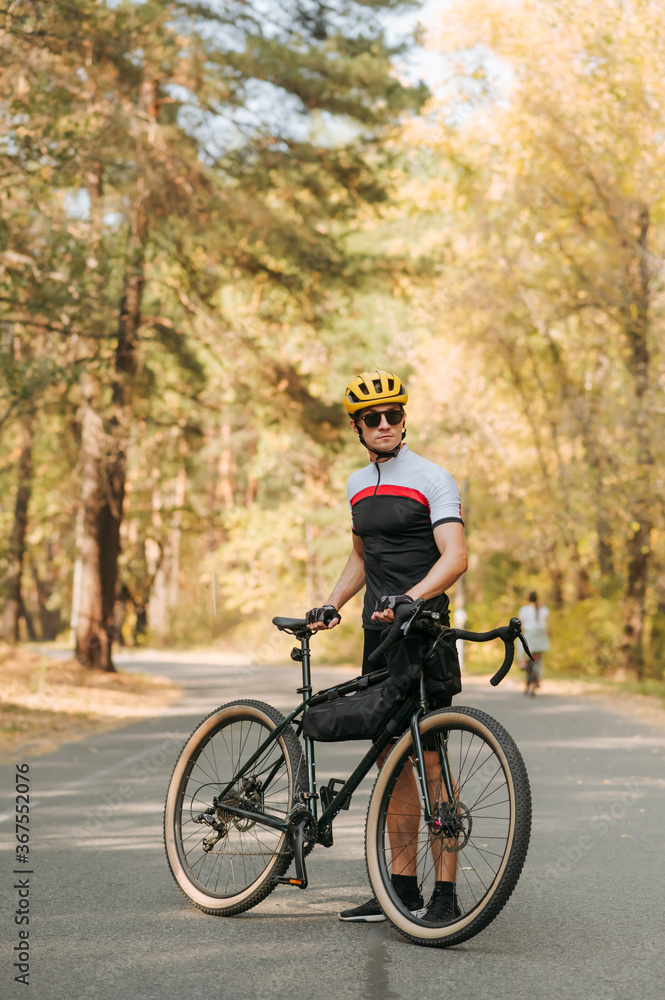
(535, 622)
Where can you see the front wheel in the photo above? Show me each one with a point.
(224, 863)
(477, 839)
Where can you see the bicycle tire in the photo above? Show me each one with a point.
(242, 867)
(492, 817)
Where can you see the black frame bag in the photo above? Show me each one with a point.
(357, 710)
(360, 709)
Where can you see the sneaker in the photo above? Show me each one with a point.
(441, 909)
(371, 912)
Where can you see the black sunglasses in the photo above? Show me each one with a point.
(374, 419)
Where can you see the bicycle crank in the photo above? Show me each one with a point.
(302, 831)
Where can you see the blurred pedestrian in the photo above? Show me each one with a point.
(535, 622)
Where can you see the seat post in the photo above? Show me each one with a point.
(304, 658)
(306, 691)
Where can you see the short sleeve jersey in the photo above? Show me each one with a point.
(395, 506)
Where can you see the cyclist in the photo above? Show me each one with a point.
(408, 542)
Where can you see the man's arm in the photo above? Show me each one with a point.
(446, 570)
(352, 579)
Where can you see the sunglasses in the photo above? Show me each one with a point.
(374, 419)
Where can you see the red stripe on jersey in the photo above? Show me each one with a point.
(391, 491)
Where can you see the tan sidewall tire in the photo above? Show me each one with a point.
(374, 867)
(203, 900)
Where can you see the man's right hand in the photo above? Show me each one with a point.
(326, 617)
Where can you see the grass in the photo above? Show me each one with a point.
(650, 688)
(44, 702)
(485, 659)
(16, 720)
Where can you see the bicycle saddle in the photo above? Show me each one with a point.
(289, 623)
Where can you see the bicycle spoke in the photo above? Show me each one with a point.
(234, 862)
(470, 836)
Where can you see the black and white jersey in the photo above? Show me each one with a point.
(395, 505)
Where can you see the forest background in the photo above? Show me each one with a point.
(213, 215)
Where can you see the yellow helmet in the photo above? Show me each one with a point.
(370, 388)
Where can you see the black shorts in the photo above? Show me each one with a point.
(372, 642)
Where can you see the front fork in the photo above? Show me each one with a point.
(421, 769)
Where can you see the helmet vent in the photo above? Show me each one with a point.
(374, 387)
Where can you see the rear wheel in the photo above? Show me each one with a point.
(224, 863)
(478, 838)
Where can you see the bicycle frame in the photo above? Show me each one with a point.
(451, 802)
(410, 712)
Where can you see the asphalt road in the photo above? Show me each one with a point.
(107, 921)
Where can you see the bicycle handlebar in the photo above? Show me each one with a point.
(507, 634)
(406, 615)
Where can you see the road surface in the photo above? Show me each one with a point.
(107, 921)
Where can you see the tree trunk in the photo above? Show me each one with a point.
(11, 587)
(556, 577)
(582, 582)
(225, 484)
(114, 469)
(29, 624)
(657, 642)
(103, 517)
(156, 557)
(156, 606)
(92, 641)
(605, 551)
(48, 619)
(179, 485)
(598, 462)
(632, 647)
(639, 541)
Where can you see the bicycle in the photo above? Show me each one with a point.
(242, 802)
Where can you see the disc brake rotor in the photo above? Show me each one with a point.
(452, 826)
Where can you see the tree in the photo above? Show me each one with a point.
(184, 136)
(552, 136)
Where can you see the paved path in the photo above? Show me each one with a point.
(107, 921)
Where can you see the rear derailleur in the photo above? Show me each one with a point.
(220, 819)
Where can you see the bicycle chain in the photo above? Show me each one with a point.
(253, 854)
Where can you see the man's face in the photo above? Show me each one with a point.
(385, 437)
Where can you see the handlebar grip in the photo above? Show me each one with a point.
(507, 634)
(505, 666)
(405, 615)
(496, 633)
